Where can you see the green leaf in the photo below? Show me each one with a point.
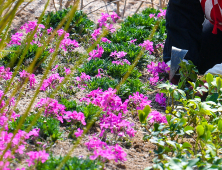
(219, 82)
(187, 145)
(209, 78)
(188, 130)
(220, 125)
(141, 116)
(200, 130)
(147, 110)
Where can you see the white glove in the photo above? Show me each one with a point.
(215, 70)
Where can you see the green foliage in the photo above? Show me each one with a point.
(73, 163)
(91, 67)
(12, 58)
(70, 105)
(131, 49)
(103, 83)
(139, 26)
(188, 72)
(89, 111)
(118, 71)
(49, 127)
(143, 114)
(79, 28)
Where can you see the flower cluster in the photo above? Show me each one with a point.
(160, 99)
(51, 82)
(118, 57)
(74, 116)
(16, 39)
(24, 74)
(105, 40)
(52, 108)
(17, 144)
(116, 124)
(82, 80)
(157, 117)
(96, 53)
(31, 25)
(107, 100)
(5, 73)
(96, 33)
(148, 45)
(139, 101)
(103, 21)
(154, 69)
(37, 156)
(104, 151)
(161, 14)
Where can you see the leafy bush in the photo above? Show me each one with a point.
(13, 57)
(103, 83)
(91, 67)
(73, 163)
(70, 105)
(79, 28)
(49, 127)
(118, 71)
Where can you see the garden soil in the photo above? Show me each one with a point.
(140, 153)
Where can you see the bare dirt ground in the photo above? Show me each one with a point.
(140, 154)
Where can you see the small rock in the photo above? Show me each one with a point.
(121, 166)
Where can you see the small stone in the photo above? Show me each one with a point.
(121, 166)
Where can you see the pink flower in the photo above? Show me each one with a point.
(55, 68)
(132, 41)
(67, 70)
(102, 20)
(160, 99)
(96, 53)
(79, 132)
(51, 50)
(96, 33)
(37, 156)
(161, 14)
(157, 117)
(49, 30)
(139, 101)
(105, 40)
(114, 17)
(154, 80)
(148, 45)
(152, 15)
(16, 39)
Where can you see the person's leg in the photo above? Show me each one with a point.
(184, 20)
(211, 48)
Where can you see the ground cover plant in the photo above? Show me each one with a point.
(100, 95)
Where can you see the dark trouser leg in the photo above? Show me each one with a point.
(211, 48)
(184, 20)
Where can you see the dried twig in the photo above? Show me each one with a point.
(89, 3)
(102, 7)
(23, 8)
(124, 9)
(81, 5)
(139, 7)
(106, 7)
(54, 4)
(60, 4)
(117, 10)
(68, 3)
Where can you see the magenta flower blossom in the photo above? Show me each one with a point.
(37, 156)
(51, 50)
(61, 32)
(105, 40)
(56, 66)
(16, 39)
(157, 117)
(49, 30)
(74, 116)
(154, 80)
(114, 17)
(148, 45)
(139, 100)
(120, 54)
(67, 70)
(96, 53)
(96, 33)
(105, 152)
(102, 20)
(51, 82)
(68, 43)
(152, 15)
(160, 99)
(133, 41)
(5, 73)
(30, 26)
(99, 73)
(31, 78)
(79, 132)
(161, 14)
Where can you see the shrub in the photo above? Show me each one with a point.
(73, 163)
